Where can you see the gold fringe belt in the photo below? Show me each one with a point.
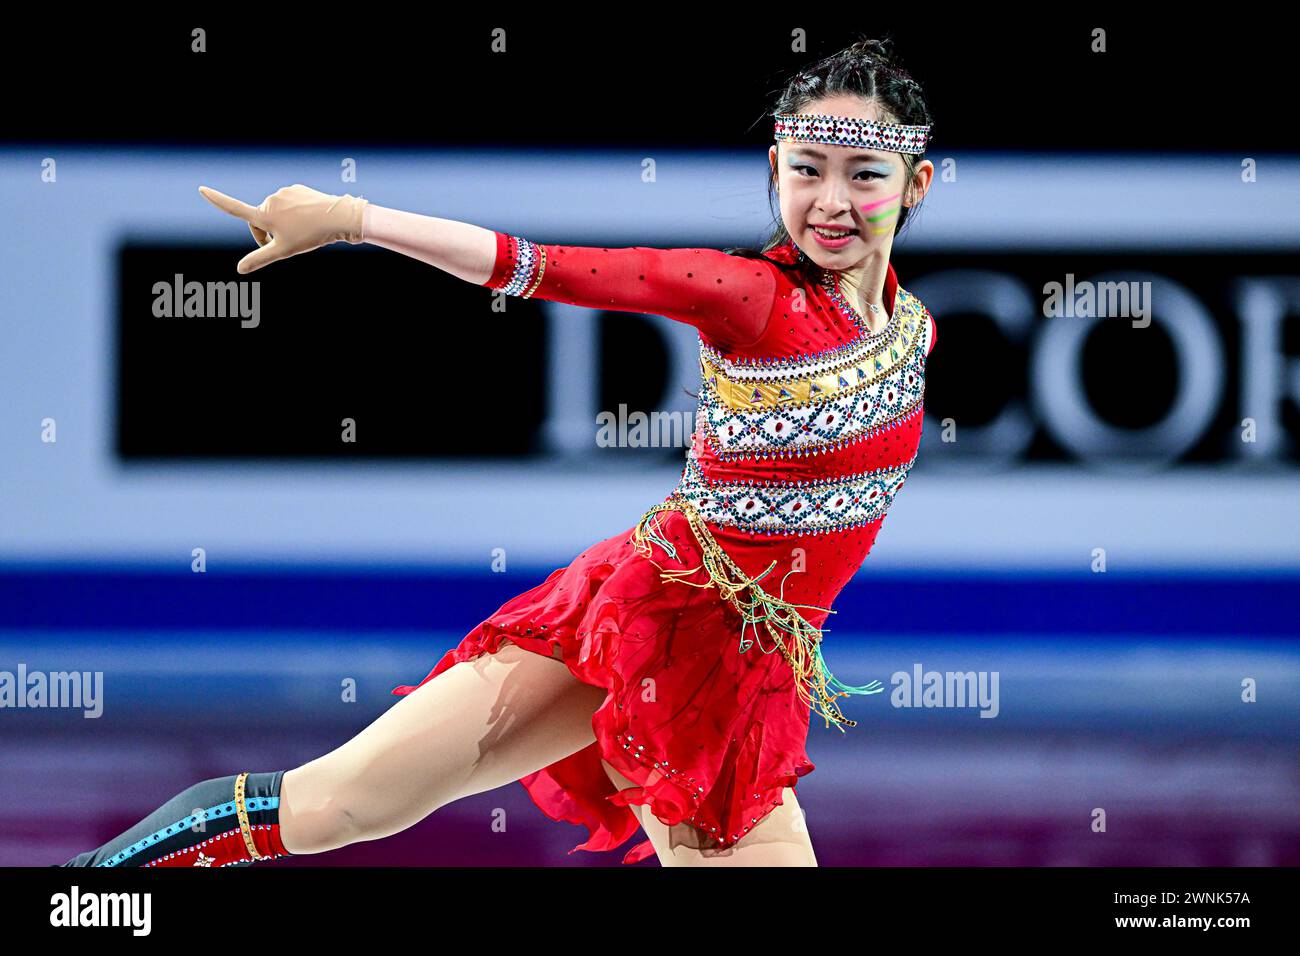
(797, 639)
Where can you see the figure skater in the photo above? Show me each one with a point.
(666, 677)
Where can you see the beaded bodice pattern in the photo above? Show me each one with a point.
(755, 414)
(813, 427)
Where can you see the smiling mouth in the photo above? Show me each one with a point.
(833, 233)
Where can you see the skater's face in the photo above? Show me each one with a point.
(858, 192)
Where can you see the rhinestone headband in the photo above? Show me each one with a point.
(847, 131)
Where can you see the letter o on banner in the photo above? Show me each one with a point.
(1056, 384)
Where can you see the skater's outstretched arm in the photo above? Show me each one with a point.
(727, 298)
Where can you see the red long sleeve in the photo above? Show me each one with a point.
(728, 298)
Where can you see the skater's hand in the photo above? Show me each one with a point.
(292, 220)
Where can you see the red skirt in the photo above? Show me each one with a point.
(710, 735)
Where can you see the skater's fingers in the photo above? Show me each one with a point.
(231, 205)
(260, 257)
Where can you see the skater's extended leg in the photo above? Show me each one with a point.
(779, 839)
(479, 725)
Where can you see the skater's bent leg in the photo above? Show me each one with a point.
(479, 725)
(778, 839)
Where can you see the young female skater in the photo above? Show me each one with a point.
(666, 676)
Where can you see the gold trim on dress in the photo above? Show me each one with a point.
(795, 389)
(242, 812)
(541, 271)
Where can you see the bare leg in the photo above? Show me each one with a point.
(778, 839)
(477, 726)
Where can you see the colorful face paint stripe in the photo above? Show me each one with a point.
(887, 214)
(867, 207)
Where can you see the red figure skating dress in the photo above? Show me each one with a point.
(702, 620)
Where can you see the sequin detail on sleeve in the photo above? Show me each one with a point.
(524, 265)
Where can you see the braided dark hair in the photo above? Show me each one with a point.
(869, 69)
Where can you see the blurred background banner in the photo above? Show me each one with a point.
(1103, 523)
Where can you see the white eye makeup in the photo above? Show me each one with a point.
(863, 175)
